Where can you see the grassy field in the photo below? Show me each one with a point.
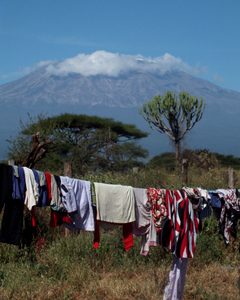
(69, 267)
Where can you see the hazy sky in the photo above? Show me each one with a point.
(202, 35)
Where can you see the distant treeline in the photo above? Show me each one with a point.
(201, 158)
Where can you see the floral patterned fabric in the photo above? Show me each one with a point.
(156, 200)
(230, 213)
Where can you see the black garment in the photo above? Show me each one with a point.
(12, 219)
(12, 222)
(6, 184)
(29, 232)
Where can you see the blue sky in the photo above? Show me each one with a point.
(203, 34)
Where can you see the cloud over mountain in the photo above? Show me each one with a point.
(115, 64)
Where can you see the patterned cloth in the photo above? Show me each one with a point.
(230, 214)
(156, 200)
(175, 219)
(182, 224)
(194, 195)
(144, 225)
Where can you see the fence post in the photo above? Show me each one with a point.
(184, 171)
(11, 162)
(67, 169)
(67, 172)
(230, 178)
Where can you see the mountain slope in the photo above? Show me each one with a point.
(129, 90)
(42, 92)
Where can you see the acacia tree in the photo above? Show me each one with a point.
(173, 115)
(89, 142)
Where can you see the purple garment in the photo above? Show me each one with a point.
(176, 281)
(215, 200)
(19, 185)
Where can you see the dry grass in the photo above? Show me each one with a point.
(211, 282)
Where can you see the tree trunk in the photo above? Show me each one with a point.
(177, 151)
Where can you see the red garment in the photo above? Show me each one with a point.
(59, 218)
(157, 202)
(33, 218)
(182, 225)
(127, 236)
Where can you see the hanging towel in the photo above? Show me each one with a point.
(142, 208)
(115, 203)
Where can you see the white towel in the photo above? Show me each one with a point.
(115, 203)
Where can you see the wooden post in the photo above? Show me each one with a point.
(67, 172)
(67, 169)
(230, 178)
(135, 170)
(184, 172)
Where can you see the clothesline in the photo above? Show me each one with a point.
(36, 188)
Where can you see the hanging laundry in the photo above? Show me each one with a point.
(42, 188)
(58, 218)
(12, 219)
(126, 231)
(156, 200)
(19, 184)
(182, 226)
(115, 203)
(56, 194)
(144, 225)
(194, 195)
(150, 239)
(230, 214)
(176, 281)
(215, 200)
(76, 199)
(205, 210)
(142, 208)
(48, 177)
(32, 193)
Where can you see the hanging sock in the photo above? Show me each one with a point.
(127, 236)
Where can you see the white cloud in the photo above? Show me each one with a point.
(115, 64)
(107, 63)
